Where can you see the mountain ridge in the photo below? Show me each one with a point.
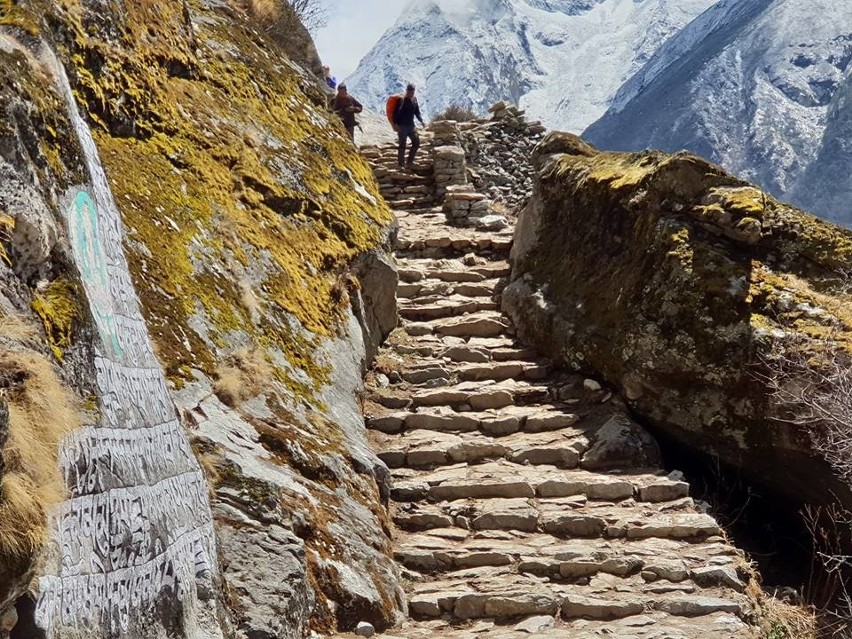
(549, 57)
(756, 94)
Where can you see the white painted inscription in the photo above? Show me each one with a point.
(137, 526)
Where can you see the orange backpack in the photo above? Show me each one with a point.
(391, 107)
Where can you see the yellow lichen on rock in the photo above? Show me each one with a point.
(614, 169)
(58, 307)
(12, 14)
(222, 167)
(7, 227)
(248, 217)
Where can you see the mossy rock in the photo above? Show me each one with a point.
(228, 177)
(680, 284)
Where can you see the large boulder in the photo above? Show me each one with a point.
(699, 297)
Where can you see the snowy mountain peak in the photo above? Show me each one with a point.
(755, 85)
(562, 60)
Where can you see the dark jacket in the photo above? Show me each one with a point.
(346, 107)
(407, 110)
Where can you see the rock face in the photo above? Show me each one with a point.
(166, 170)
(684, 287)
(758, 86)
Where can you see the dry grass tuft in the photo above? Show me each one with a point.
(210, 459)
(456, 113)
(387, 363)
(243, 375)
(249, 301)
(41, 411)
(782, 620)
(266, 10)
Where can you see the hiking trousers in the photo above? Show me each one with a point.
(406, 132)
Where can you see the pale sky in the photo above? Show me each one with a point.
(354, 26)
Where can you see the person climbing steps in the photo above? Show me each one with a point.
(407, 109)
(345, 106)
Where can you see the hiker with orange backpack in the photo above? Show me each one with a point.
(401, 111)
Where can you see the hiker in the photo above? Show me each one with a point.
(406, 111)
(346, 107)
(330, 80)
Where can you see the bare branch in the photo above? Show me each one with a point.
(312, 13)
(818, 392)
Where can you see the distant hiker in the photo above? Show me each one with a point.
(406, 110)
(346, 107)
(330, 80)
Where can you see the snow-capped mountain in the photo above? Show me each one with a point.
(762, 87)
(562, 60)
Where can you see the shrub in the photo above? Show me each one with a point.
(819, 393)
(311, 13)
(456, 113)
(288, 23)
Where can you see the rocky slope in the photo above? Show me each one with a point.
(168, 169)
(758, 87)
(563, 60)
(687, 289)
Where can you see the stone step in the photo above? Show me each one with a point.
(502, 595)
(466, 594)
(389, 192)
(495, 422)
(431, 308)
(434, 373)
(406, 200)
(443, 349)
(416, 291)
(505, 479)
(479, 324)
(460, 349)
(649, 625)
(389, 161)
(480, 355)
(569, 519)
(660, 563)
(503, 370)
(429, 218)
(454, 270)
(430, 372)
(481, 396)
(411, 275)
(412, 240)
(396, 179)
(530, 368)
(428, 448)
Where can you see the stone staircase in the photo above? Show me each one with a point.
(525, 501)
(411, 190)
